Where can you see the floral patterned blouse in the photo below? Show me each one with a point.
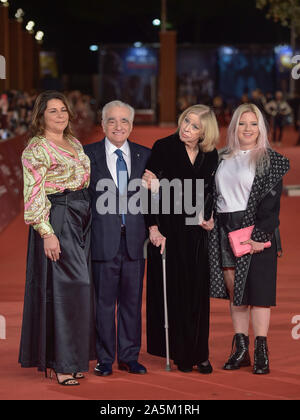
(50, 169)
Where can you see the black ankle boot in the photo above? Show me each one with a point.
(239, 358)
(261, 358)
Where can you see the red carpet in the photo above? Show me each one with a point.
(283, 382)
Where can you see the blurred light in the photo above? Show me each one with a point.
(138, 44)
(19, 15)
(286, 61)
(5, 3)
(94, 48)
(39, 36)
(141, 52)
(30, 25)
(227, 50)
(284, 56)
(283, 49)
(156, 22)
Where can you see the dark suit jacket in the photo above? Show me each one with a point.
(106, 229)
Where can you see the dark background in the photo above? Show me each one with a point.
(71, 26)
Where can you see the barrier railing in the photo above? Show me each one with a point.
(11, 179)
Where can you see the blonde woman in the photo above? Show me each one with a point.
(189, 154)
(248, 191)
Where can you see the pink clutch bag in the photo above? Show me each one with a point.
(242, 235)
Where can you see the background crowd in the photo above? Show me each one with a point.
(16, 111)
(279, 111)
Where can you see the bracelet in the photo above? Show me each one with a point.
(47, 236)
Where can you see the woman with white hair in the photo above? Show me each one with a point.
(248, 191)
(188, 155)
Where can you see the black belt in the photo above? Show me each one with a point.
(67, 196)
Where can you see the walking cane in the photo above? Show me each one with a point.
(164, 256)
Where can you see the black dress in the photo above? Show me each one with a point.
(255, 275)
(58, 319)
(187, 262)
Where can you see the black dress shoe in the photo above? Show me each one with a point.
(205, 368)
(103, 369)
(133, 367)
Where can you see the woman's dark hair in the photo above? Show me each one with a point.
(37, 127)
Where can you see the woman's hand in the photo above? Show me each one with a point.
(256, 247)
(157, 239)
(52, 248)
(150, 181)
(208, 225)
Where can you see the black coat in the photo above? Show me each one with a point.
(263, 212)
(187, 261)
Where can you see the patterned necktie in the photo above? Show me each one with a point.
(122, 176)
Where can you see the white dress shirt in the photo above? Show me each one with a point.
(111, 158)
(234, 180)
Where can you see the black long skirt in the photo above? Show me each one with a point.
(188, 298)
(58, 318)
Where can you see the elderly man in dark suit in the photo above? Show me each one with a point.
(117, 241)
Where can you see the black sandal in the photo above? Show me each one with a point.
(66, 382)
